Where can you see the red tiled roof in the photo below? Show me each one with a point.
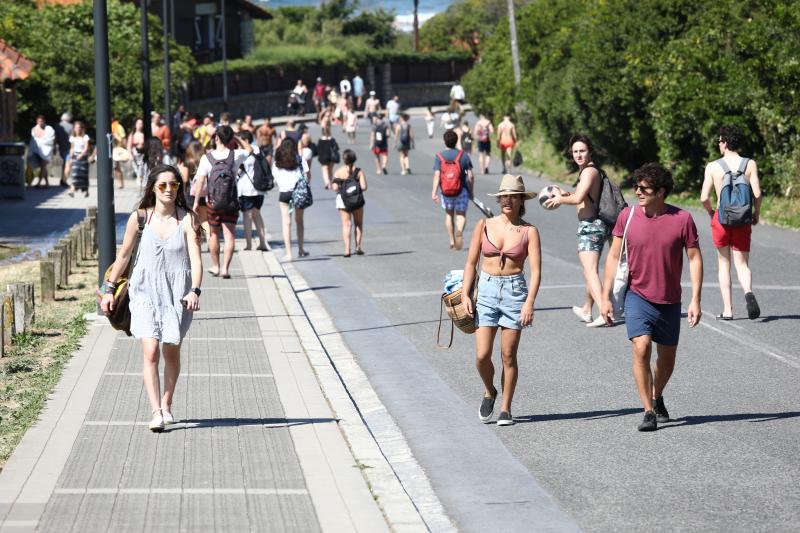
(13, 65)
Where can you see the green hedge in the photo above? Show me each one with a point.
(654, 79)
(303, 56)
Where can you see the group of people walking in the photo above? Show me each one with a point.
(652, 235)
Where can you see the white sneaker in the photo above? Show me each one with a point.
(168, 418)
(598, 322)
(579, 313)
(157, 423)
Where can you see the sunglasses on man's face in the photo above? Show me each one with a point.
(645, 189)
(171, 185)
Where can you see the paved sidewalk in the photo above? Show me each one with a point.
(258, 446)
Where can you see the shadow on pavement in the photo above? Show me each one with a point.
(735, 417)
(779, 317)
(381, 327)
(381, 254)
(586, 415)
(320, 288)
(233, 422)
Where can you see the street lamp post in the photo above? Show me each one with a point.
(105, 186)
(224, 60)
(416, 26)
(146, 105)
(167, 103)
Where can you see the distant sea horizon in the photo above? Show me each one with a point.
(403, 9)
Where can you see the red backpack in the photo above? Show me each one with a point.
(450, 175)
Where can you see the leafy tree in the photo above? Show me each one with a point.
(462, 25)
(59, 40)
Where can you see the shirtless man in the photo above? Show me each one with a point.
(264, 136)
(592, 231)
(732, 238)
(372, 106)
(506, 141)
(482, 133)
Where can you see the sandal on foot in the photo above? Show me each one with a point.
(723, 317)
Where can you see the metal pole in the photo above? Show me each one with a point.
(512, 25)
(146, 105)
(105, 185)
(224, 60)
(416, 26)
(167, 103)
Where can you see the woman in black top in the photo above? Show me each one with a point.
(327, 154)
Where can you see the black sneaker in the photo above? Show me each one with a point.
(753, 311)
(661, 410)
(487, 409)
(385, 172)
(648, 424)
(505, 419)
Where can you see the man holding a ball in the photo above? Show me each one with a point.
(592, 232)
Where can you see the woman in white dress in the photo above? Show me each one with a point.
(164, 286)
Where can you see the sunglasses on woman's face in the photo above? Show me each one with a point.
(164, 185)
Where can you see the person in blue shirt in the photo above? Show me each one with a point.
(455, 206)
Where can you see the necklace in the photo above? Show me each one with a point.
(164, 219)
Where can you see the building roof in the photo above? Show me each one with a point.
(13, 65)
(255, 10)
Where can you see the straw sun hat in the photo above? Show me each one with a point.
(513, 185)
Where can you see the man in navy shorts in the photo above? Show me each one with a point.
(657, 235)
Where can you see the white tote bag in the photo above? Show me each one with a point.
(621, 277)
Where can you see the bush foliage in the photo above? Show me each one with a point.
(60, 42)
(654, 79)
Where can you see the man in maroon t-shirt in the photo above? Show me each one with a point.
(656, 237)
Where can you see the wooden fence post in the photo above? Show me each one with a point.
(48, 278)
(91, 218)
(7, 319)
(23, 308)
(30, 308)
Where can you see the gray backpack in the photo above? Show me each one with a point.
(736, 196)
(611, 202)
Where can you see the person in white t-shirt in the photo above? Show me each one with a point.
(79, 159)
(345, 87)
(43, 139)
(226, 220)
(289, 168)
(250, 198)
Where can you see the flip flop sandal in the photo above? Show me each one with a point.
(723, 317)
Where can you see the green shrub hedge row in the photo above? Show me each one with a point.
(654, 79)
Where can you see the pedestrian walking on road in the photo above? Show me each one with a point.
(504, 299)
(657, 233)
(79, 152)
(393, 110)
(483, 133)
(219, 169)
(250, 198)
(327, 155)
(404, 142)
(734, 237)
(188, 169)
(265, 135)
(465, 139)
(592, 231)
(40, 149)
(164, 286)
(372, 107)
(318, 96)
(288, 169)
(350, 183)
(358, 90)
(506, 141)
(379, 143)
(430, 121)
(453, 179)
(136, 147)
(63, 132)
(350, 123)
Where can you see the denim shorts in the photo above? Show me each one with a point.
(500, 300)
(458, 203)
(662, 322)
(592, 235)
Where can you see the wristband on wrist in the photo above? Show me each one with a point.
(109, 287)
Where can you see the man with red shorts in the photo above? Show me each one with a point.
(379, 142)
(506, 141)
(732, 240)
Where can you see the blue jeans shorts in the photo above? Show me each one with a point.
(458, 203)
(500, 300)
(662, 322)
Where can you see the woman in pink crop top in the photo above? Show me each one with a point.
(504, 300)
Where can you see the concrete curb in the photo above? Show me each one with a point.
(398, 481)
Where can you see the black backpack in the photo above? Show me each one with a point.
(611, 202)
(335, 155)
(466, 141)
(350, 190)
(262, 174)
(222, 194)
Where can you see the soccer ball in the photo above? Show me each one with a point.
(546, 193)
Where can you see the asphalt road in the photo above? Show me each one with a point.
(727, 462)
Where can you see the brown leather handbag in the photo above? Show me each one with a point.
(120, 315)
(457, 311)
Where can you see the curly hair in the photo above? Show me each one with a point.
(655, 175)
(732, 136)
